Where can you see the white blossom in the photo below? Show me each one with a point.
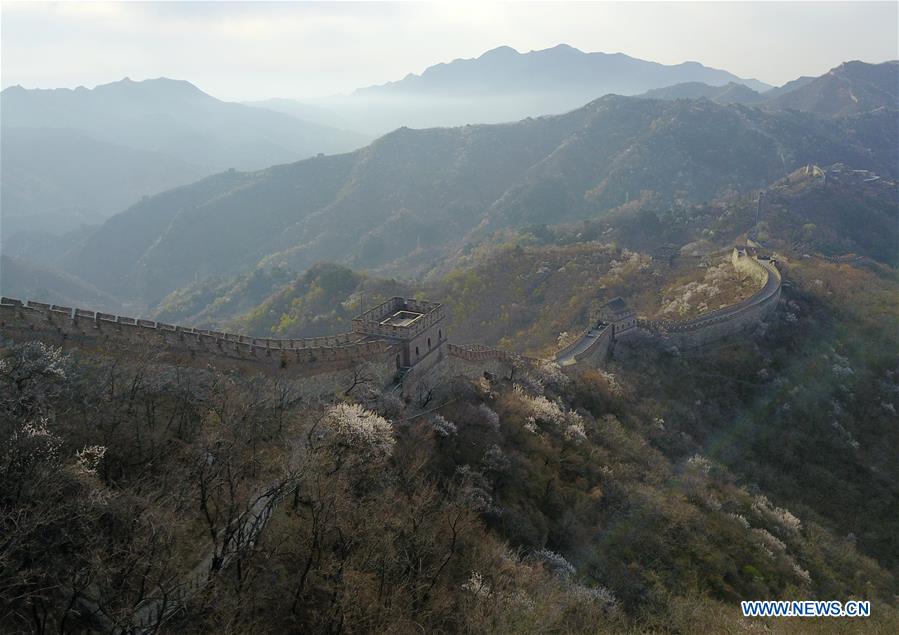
(357, 427)
(575, 431)
(495, 460)
(489, 415)
(599, 595)
(442, 426)
(767, 542)
(88, 458)
(802, 574)
(699, 462)
(777, 515)
(476, 585)
(571, 424)
(740, 519)
(555, 562)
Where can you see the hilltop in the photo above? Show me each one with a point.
(835, 211)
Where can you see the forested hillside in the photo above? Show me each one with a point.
(616, 500)
(400, 205)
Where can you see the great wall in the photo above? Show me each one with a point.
(401, 343)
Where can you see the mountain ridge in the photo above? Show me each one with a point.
(561, 62)
(397, 205)
(156, 118)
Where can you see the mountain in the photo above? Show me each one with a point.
(562, 68)
(22, 279)
(55, 179)
(851, 88)
(731, 93)
(504, 85)
(791, 85)
(212, 301)
(72, 156)
(178, 119)
(401, 204)
(836, 211)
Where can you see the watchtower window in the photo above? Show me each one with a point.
(416, 352)
(429, 343)
(439, 335)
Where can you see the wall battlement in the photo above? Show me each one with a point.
(595, 342)
(400, 338)
(376, 321)
(479, 352)
(731, 319)
(67, 325)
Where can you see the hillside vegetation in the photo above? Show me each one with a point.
(400, 204)
(540, 504)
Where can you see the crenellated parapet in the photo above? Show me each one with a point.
(94, 329)
(615, 319)
(730, 319)
(479, 352)
(403, 339)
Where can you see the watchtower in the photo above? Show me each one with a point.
(617, 313)
(416, 326)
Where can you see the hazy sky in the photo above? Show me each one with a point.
(237, 50)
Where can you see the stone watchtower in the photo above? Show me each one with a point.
(617, 313)
(416, 327)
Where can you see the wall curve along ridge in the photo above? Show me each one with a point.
(594, 344)
(374, 341)
(720, 323)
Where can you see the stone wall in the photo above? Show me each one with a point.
(700, 330)
(326, 364)
(66, 326)
(470, 362)
(731, 320)
(749, 266)
(596, 353)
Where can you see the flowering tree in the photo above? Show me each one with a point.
(355, 428)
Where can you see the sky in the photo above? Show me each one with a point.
(254, 50)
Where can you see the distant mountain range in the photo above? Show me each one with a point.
(413, 196)
(73, 156)
(849, 89)
(504, 70)
(502, 85)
